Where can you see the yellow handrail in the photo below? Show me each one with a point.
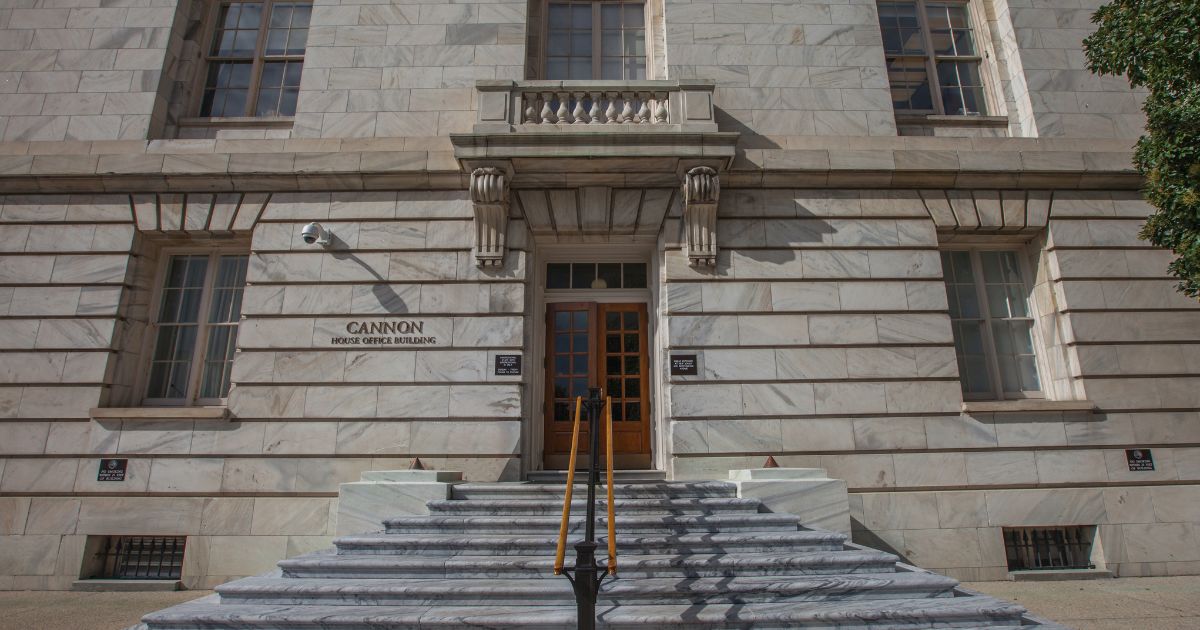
(612, 521)
(566, 514)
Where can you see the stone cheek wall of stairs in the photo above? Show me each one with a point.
(691, 555)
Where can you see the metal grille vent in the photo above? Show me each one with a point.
(143, 557)
(1046, 548)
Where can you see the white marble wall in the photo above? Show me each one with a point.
(823, 340)
(75, 280)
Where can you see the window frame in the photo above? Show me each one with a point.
(204, 327)
(257, 60)
(995, 380)
(930, 59)
(597, 37)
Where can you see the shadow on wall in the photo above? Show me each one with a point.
(750, 139)
(388, 298)
(864, 536)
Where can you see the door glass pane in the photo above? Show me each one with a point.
(580, 320)
(632, 365)
(633, 411)
(612, 343)
(631, 320)
(631, 343)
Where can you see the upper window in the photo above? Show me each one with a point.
(933, 58)
(195, 328)
(993, 328)
(605, 275)
(255, 59)
(596, 40)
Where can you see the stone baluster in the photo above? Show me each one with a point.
(627, 109)
(660, 109)
(579, 112)
(595, 114)
(643, 113)
(530, 111)
(611, 113)
(564, 107)
(548, 117)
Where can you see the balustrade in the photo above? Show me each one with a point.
(580, 105)
(639, 107)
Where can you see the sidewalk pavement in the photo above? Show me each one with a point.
(1160, 603)
(1166, 603)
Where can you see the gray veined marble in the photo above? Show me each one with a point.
(691, 555)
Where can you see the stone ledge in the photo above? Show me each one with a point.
(183, 414)
(1027, 405)
(1059, 574)
(125, 586)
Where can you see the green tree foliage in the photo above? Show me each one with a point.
(1156, 45)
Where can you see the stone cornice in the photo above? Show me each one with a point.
(429, 163)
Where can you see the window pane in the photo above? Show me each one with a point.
(276, 41)
(635, 275)
(580, 69)
(556, 68)
(610, 16)
(582, 275)
(635, 15)
(558, 276)
(610, 44)
(560, 16)
(559, 43)
(900, 28)
(610, 273)
(910, 85)
(217, 361)
(581, 16)
(961, 87)
(610, 68)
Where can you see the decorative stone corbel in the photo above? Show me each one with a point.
(489, 195)
(701, 191)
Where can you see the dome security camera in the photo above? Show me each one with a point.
(315, 233)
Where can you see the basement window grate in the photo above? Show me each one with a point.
(142, 558)
(1048, 548)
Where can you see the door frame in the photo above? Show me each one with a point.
(534, 443)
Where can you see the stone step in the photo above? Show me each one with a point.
(489, 507)
(331, 565)
(652, 490)
(955, 612)
(499, 545)
(765, 522)
(270, 591)
(619, 476)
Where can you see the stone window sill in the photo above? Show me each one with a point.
(274, 122)
(1026, 406)
(181, 414)
(940, 120)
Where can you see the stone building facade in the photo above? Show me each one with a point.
(793, 228)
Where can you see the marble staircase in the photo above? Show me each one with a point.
(691, 555)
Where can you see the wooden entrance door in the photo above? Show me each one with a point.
(597, 345)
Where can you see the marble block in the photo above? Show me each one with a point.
(363, 505)
(808, 493)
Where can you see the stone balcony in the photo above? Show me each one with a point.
(595, 106)
(538, 129)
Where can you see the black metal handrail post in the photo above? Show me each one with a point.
(587, 574)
